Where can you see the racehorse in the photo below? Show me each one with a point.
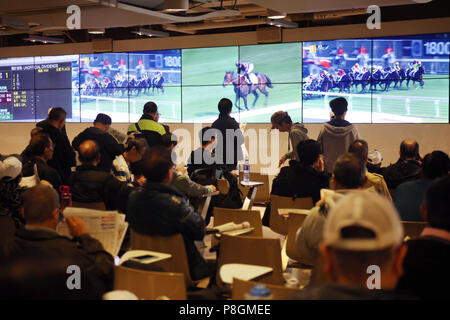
(362, 79)
(344, 83)
(243, 89)
(389, 77)
(416, 76)
(158, 84)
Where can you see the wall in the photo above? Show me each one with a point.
(384, 137)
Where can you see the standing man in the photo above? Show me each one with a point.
(337, 134)
(231, 139)
(148, 125)
(297, 133)
(109, 147)
(63, 155)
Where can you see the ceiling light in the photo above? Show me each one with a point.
(175, 5)
(150, 33)
(34, 38)
(282, 23)
(96, 31)
(272, 14)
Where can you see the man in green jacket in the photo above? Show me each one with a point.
(148, 125)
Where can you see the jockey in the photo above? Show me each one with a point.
(356, 68)
(363, 56)
(397, 66)
(243, 69)
(158, 76)
(140, 68)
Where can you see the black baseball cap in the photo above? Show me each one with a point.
(103, 118)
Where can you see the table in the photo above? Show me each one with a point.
(158, 256)
(248, 202)
(242, 271)
(204, 204)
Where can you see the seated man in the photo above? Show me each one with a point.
(360, 149)
(39, 239)
(202, 159)
(374, 162)
(40, 151)
(157, 209)
(121, 168)
(427, 259)
(409, 195)
(108, 145)
(362, 250)
(303, 178)
(407, 167)
(349, 173)
(91, 184)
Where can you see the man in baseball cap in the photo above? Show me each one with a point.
(109, 146)
(10, 168)
(362, 250)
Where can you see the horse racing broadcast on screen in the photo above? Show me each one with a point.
(402, 79)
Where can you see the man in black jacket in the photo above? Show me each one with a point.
(230, 140)
(108, 145)
(91, 184)
(41, 151)
(157, 209)
(63, 155)
(427, 262)
(39, 239)
(303, 178)
(407, 168)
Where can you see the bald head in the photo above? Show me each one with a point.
(409, 149)
(88, 153)
(39, 204)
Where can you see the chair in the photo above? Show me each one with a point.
(89, 205)
(222, 216)
(149, 285)
(413, 229)
(251, 250)
(173, 245)
(295, 221)
(263, 193)
(278, 223)
(241, 287)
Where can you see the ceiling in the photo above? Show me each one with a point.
(18, 19)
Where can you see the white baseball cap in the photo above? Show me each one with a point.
(368, 210)
(374, 157)
(10, 168)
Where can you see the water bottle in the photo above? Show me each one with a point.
(259, 292)
(66, 197)
(246, 170)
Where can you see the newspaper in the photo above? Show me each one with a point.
(108, 227)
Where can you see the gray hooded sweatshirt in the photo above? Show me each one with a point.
(298, 133)
(335, 141)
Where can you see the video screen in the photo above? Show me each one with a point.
(337, 68)
(402, 79)
(412, 83)
(208, 66)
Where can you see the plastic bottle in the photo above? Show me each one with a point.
(246, 170)
(259, 292)
(66, 197)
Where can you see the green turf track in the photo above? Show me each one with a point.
(433, 88)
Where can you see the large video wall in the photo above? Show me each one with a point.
(385, 80)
